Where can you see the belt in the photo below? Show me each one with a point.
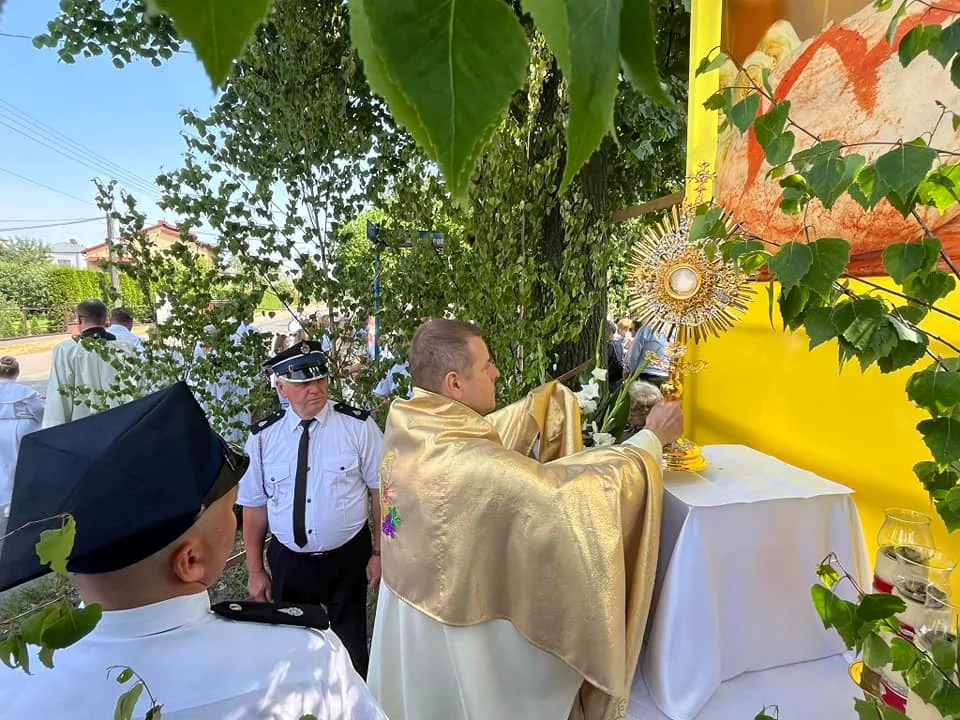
(323, 553)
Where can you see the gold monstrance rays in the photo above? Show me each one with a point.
(677, 289)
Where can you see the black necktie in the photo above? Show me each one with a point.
(300, 488)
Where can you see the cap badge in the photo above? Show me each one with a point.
(291, 611)
(305, 349)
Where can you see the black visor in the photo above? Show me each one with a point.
(306, 373)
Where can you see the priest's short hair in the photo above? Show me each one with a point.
(439, 347)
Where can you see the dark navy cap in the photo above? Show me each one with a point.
(303, 362)
(134, 478)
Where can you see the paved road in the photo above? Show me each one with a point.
(35, 367)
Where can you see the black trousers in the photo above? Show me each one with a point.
(337, 579)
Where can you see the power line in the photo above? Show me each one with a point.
(30, 37)
(47, 187)
(39, 220)
(50, 225)
(43, 134)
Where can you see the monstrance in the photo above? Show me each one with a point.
(684, 290)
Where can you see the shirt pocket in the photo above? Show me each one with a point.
(278, 483)
(341, 473)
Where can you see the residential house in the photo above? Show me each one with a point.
(161, 235)
(67, 254)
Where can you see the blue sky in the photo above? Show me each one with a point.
(128, 116)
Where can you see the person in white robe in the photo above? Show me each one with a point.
(21, 410)
(88, 360)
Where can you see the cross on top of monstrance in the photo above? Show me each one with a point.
(685, 291)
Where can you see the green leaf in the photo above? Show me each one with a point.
(779, 149)
(707, 65)
(14, 653)
(743, 113)
(910, 313)
(955, 71)
(765, 79)
(154, 714)
(46, 657)
(584, 37)
(379, 79)
(931, 287)
(867, 189)
(818, 324)
(127, 702)
(942, 437)
(948, 44)
(905, 167)
(920, 39)
(793, 304)
(830, 176)
(867, 709)
(825, 150)
(891, 713)
(923, 679)
(791, 264)
(720, 100)
(829, 259)
(707, 225)
(876, 653)
(858, 319)
(935, 389)
(879, 606)
(32, 627)
(905, 354)
(638, 45)
(770, 125)
(902, 260)
(895, 21)
(951, 518)
(217, 29)
(74, 624)
(944, 654)
(431, 53)
(124, 676)
(55, 546)
(882, 5)
(903, 654)
(828, 574)
(941, 188)
(935, 481)
(733, 250)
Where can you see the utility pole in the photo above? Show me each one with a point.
(114, 277)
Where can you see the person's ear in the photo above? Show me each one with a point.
(189, 561)
(451, 385)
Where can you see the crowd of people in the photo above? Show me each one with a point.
(485, 560)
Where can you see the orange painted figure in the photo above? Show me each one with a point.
(846, 83)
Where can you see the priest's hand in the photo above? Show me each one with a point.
(373, 571)
(666, 421)
(260, 586)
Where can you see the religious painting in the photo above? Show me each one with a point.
(832, 61)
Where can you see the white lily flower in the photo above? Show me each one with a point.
(588, 407)
(599, 374)
(590, 391)
(601, 439)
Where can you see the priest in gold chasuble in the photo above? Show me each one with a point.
(517, 567)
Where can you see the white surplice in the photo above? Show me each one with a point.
(73, 364)
(21, 409)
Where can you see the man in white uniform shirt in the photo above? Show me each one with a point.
(88, 361)
(312, 468)
(21, 409)
(171, 480)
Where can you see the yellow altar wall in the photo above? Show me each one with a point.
(765, 388)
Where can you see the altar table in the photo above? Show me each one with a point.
(739, 547)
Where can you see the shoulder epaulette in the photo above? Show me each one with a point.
(353, 412)
(266, 422)
(277, 613)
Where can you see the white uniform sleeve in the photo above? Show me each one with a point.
(648, 440)
(371, 452)
(250, 492)
(59, 408)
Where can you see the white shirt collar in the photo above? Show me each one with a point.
(152, 619)
(293, 420)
